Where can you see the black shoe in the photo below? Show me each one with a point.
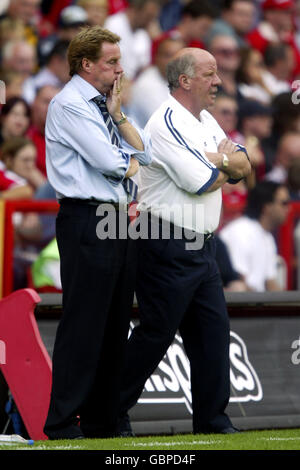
(70, 432)
(124, 428)
(229, 430)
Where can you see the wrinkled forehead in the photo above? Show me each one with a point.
(206, 64)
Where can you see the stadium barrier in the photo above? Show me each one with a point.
(264, 366)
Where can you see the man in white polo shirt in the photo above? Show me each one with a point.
(178, 282)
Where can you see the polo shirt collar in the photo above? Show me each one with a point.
(184, 112)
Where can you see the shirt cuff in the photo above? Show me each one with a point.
(212, 179)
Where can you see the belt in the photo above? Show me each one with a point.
(123, 207)
(206, 236)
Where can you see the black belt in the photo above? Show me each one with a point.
(94, 202)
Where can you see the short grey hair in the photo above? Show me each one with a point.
(183, 64)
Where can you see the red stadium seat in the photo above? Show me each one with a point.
(27, 368)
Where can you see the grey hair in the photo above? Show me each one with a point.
(184, 64)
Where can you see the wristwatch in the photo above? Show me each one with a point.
(225, 160)
(122, 120)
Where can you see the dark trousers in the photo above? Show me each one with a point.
(98, 284)
(181, 289)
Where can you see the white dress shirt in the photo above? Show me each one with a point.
(80, 158)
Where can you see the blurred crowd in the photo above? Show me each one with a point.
(257, 47)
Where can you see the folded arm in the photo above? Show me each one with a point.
(230, 160)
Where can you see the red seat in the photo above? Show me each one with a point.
(27, 368)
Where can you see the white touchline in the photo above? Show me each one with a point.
(173, 443)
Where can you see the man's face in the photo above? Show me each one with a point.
(280, 20)
(166, 51)
(204, 85)
(226, 51)
(278, 209)
(241, 16)
(289, 150)
(148, 13)
(25, 9)
(40, 106)
(225, 112)
(105, 71)
(199, 27)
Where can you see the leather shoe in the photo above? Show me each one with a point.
(124, 428)
(70, 432)
(229, 430)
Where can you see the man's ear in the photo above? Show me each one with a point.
(86, 65)
(185, 81)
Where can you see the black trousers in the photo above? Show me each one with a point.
(181, 289)
(98, 285)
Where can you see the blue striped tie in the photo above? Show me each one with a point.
(129, 185)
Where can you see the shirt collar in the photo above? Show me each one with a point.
(185, 112)
(87, 90)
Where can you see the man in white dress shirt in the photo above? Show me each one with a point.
(178, 283)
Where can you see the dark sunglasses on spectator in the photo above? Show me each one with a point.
(227, 52)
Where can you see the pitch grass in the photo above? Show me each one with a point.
(287, 439)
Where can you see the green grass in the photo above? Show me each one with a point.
(288, 439)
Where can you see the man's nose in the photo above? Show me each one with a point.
(217, 80)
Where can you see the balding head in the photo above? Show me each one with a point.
(185, 62)
(193, 80)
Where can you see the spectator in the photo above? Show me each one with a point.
(232, 280)
(261, 78)
(293, 179)
(131, 25)
(286, 118)
(288, 151)
(20, 57)
(195, 22)
(225, 111)
(19, 157)
(97, 11)
(249, 238)
(255, 124)
(10, 189)
(71, 19)
(279, 62)
(237, 20)
(277, 26)
(227, 53)
(36, 132)
(28, 11)
(13, 86)
(144, 102)
(11, 29)
(55, 73)
(14, 118)
(170, 14)
(249, 76)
